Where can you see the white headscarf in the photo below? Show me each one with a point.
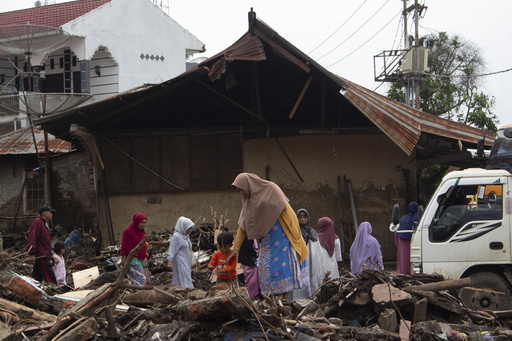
(182, 226)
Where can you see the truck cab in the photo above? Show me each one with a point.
(465, 230)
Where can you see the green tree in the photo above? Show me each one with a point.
(452, 88)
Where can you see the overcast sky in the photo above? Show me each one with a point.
(360, 30)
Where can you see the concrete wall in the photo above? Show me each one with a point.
(130, 30)
(12, 175)
(372, 163)
(369, 161)
(162, 216)
(73, 192)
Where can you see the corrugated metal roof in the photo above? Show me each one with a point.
(248, 47)
(403, 124)
(21, 142)
(51, 15)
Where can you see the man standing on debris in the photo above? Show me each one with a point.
(266, 215)
(39, 246)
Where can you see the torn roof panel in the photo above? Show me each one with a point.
(22, 142)
(403, 124)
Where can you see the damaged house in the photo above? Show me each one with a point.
(59, 48)
(261, 106)
(54, 58)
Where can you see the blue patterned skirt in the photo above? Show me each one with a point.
(279, 270)
(136, 274)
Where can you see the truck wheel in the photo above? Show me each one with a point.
(486, 300)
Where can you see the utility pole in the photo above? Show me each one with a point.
(406, 46)
(411, 60)
(417, 45)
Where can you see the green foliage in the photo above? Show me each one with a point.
(431, 176)
(452, 87)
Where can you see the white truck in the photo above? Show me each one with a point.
(466, 230)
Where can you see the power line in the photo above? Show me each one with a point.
(338, 28)
(374, 14)
(471, 76)
(366, 41)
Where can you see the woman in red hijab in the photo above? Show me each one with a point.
(331, 246)
(131, 237)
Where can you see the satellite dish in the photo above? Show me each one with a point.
(38, 3)
(31, 39)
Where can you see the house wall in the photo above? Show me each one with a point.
(163, 215)
(12, 175)
(130, 30)
(73, 192)
(369, 161)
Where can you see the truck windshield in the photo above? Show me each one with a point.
(501, 155)
(461, 205)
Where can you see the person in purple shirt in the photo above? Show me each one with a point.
(39, 246)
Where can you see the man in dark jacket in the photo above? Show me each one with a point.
(39, 246)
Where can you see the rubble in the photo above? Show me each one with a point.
(374, 306)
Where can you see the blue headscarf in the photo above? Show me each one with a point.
(408, 222)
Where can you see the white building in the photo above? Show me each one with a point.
(115, 45)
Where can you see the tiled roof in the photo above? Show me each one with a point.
(51, 15)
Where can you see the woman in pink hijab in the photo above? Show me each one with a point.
(331, 246)
(365, 246)
(132, 236)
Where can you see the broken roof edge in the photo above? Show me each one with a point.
(412, 122)
(266, 33)
(92, 109)
(261, 30)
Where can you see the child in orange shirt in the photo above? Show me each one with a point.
(226, 271)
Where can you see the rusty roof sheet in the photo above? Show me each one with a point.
(403, 124)
(51, 15)
(21, 142)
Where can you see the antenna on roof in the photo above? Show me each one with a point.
(163, 4)
(40, 3)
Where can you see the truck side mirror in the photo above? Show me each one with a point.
(395, 217)
(480, 147)
(420, 212)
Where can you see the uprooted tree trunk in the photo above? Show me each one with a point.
(105, 296)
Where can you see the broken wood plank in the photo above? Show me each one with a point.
(444, 285)
(302, 93)
(215, 307)
(33, 313)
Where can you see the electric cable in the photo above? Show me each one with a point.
(365, 41)
(472, 76)
(374, 14)
(338, 28)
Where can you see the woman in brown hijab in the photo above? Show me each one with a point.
(267, 217)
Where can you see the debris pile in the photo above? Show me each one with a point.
(374, 306)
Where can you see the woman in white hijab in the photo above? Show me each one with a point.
(178, 257)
